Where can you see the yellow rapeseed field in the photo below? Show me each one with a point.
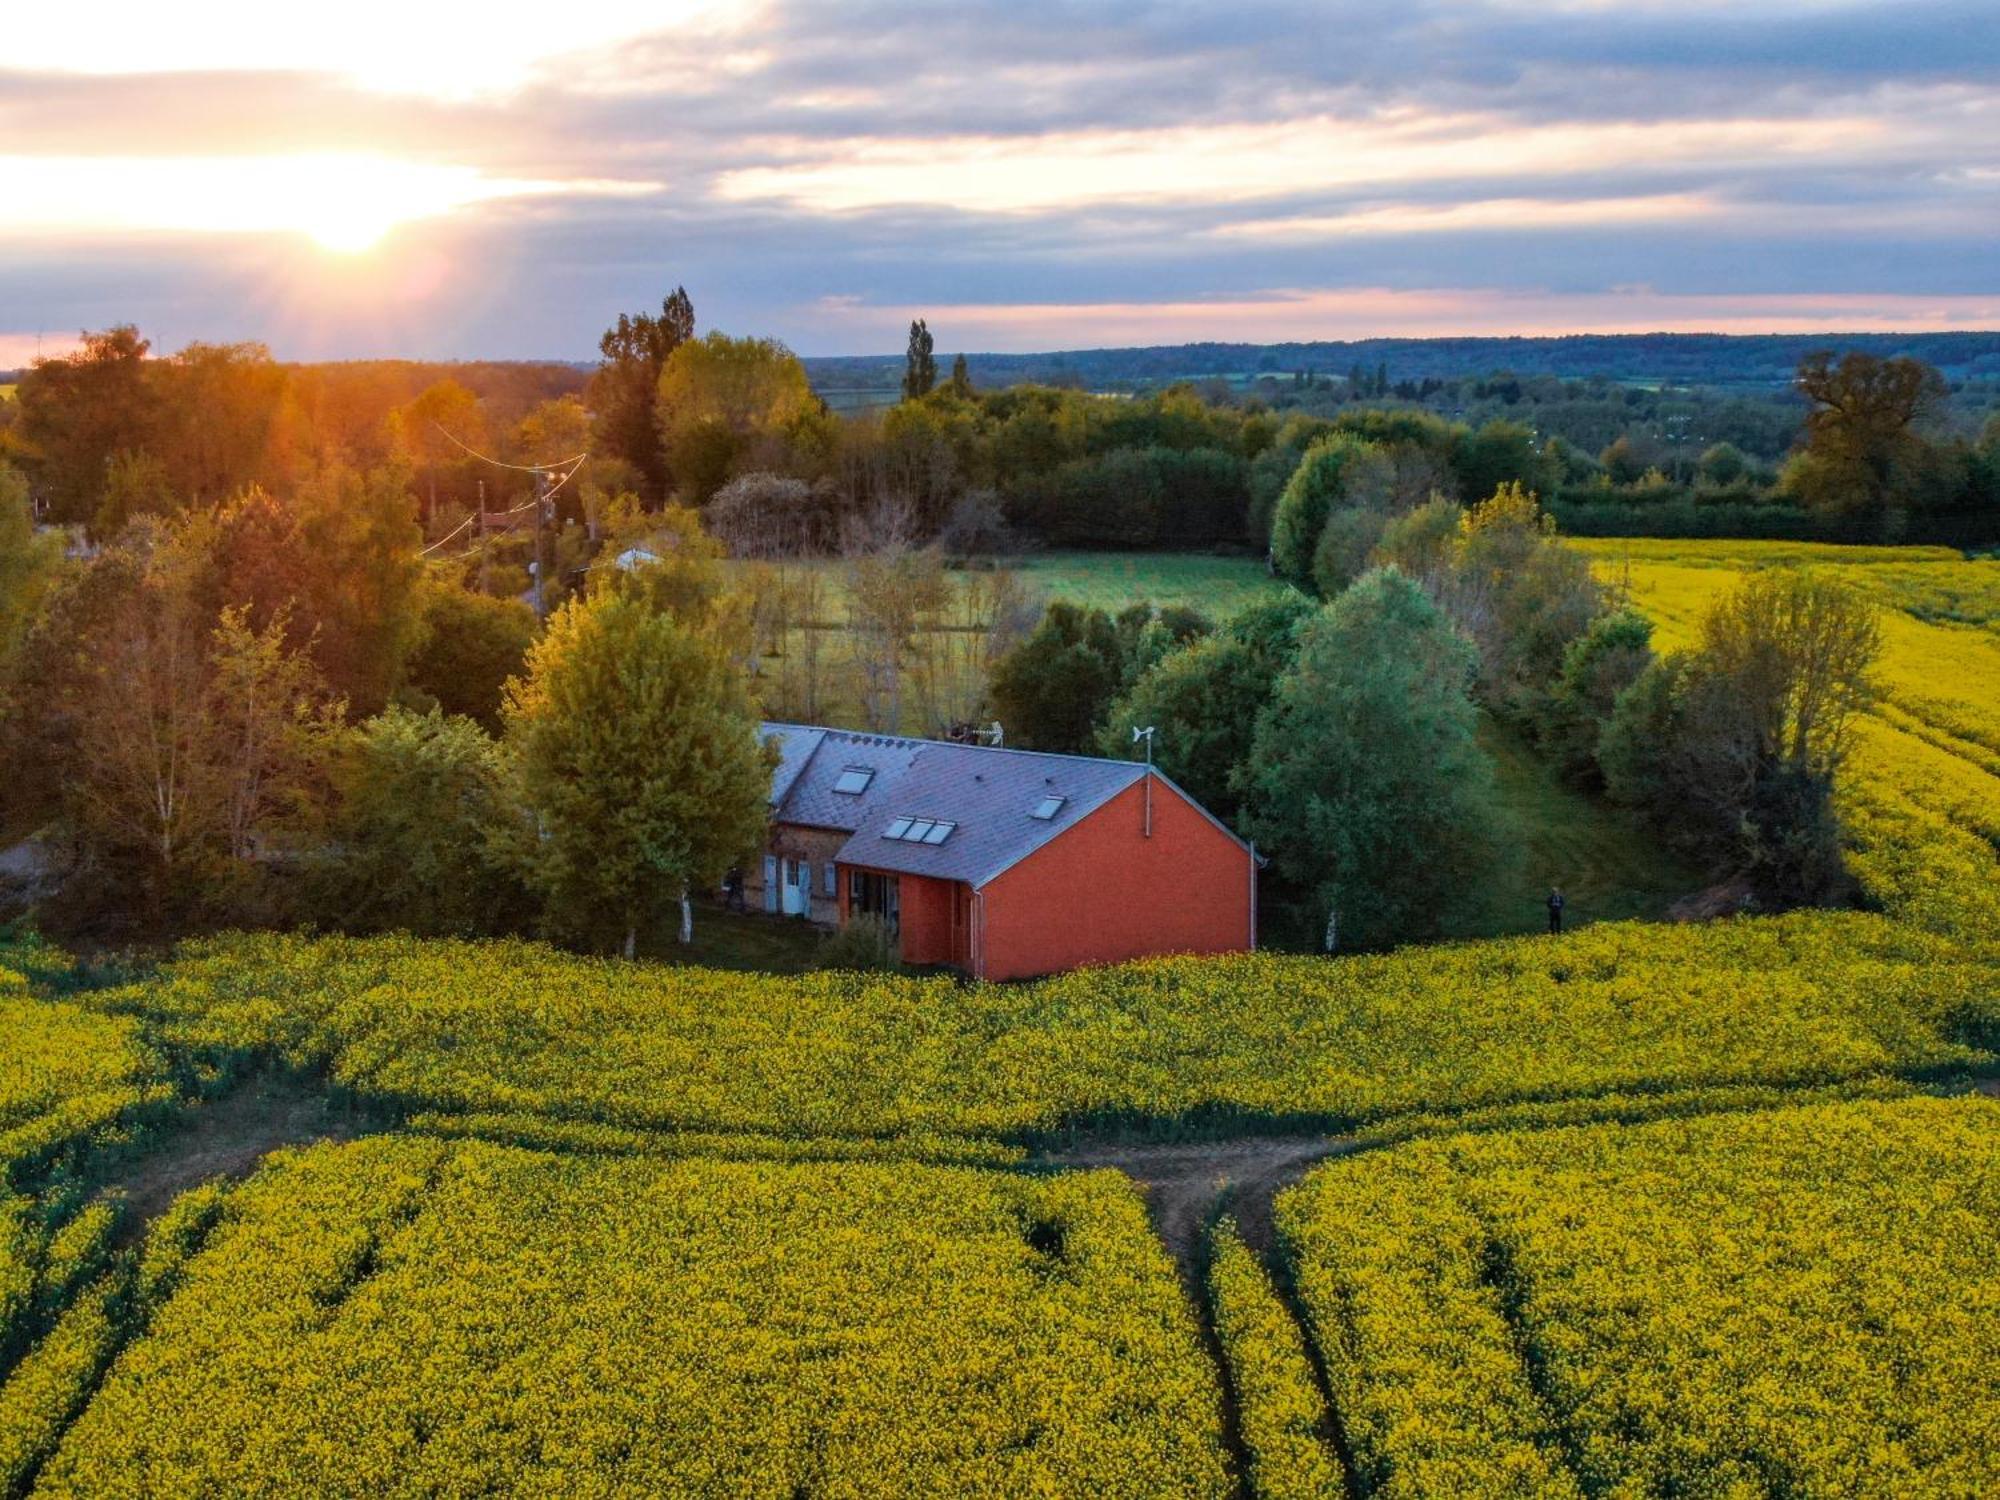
(411, 1317)
(1920, 799)
(1283, 1417)
(1799, 1302)
(519, 1030)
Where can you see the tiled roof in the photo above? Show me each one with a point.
(989, 794)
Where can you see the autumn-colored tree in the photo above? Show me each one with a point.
(637, 751)
(717, 397)
(79, 410)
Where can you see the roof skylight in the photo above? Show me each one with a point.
(1048, 807)
(919, 830)
(853, 781)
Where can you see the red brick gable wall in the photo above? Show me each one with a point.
(1101, 892)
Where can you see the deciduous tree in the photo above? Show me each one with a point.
(1366, 781)
(637, 750)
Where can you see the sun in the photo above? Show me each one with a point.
(348, 233)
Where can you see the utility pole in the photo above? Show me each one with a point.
(541, 514)
(484, 544)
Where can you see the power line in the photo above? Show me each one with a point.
(447, 536)
(518, 468)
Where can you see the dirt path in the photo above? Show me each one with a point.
(227, 1137)
(1183, 1183)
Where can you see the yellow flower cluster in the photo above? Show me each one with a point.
(1920, 797)
(62, 1058)
(516, 1030)
(1802, 1301)
(405, 1316)
(94, 1300)
(1283, 1417)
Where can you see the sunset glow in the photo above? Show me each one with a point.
(1474, 164)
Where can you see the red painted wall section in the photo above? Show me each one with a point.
(1102, 892)
(927, 920)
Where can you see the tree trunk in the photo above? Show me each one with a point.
(631, 942)
(687, 917)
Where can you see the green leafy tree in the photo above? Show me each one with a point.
(1862, 449)
(420, 800)
(1519, 596)
(1052, 691)
(1366, 782)
(338, 560)
(1597, 668)
(920, 363)
(470, 645)
(1338, 472)
(1203, 699)
(1734, 748)
(625, 392)
(29, 563)
(637, 750)
(78, 411)
(1500, 453)
(961, 378)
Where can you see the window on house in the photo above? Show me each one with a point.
(919, 830)
(829, 881)
(853, 781)
(1048, 807)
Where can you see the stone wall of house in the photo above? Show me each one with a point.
(817, 847)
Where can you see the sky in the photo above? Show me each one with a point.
(431, 181)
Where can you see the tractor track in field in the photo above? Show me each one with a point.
(1187, 1183)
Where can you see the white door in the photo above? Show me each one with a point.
(797, 873)
(771, 883)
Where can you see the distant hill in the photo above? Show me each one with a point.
(1706, 359)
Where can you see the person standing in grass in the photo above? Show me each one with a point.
(1555, 911)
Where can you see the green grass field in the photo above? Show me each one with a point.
(1217, 586)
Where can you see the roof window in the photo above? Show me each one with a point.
(1048, 807)
(919, 830)
(853, 781)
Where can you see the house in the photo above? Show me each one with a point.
(1002, 863)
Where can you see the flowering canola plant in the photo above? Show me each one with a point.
(1282, 1415)
(1801, 1302)
(517, 1031)
(404, 1316)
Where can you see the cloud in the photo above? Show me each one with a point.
(1146, 169)
(1308, 314)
